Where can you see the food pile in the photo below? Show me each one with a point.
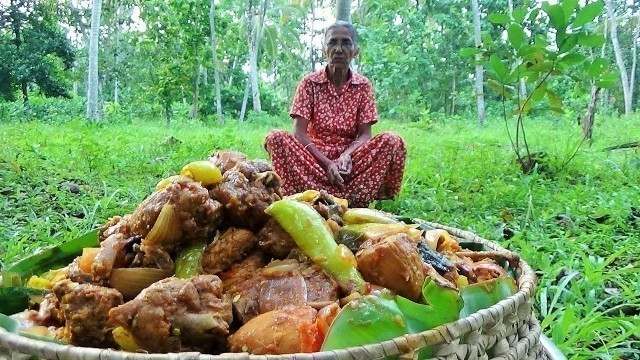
(218, 260)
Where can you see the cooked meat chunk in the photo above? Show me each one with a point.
(282, 283)
(76, 274)
(286, 331)
(178, 315)
(245, 198)
(49, 313)
(231, 247)
(253, 169)
(85, 309)
(394, 263)
(197, 216)
(243, 270)
(225, 160)
(113, 254)
(115, 225)
(274, 240)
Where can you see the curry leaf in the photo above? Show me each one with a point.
(588, 13)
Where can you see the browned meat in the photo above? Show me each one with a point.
(244, 270)
(115, 225)
(49, 313)
(275, 241)
(394, 263)
(245, 198)
(286, 331)
(225, 160)
(85, 309)
(483, 270)
(197, 215)
(178, 315)
(231, 247)
(253, 169)
(282, 283)
(112, 255)
(76, 274)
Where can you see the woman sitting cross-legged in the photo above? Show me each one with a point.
(332, 148)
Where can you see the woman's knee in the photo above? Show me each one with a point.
(275, 139)
(391, 139)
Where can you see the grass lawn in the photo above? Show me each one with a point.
(578, 225)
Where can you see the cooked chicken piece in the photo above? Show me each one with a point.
(243, 270)
(282, 283)
(49, 312)
(178, 315)
(115, 225)
(483, 270)
(394, 263)
(228, 249)
(197, 215)
(225, 160)
(245, 198)
(286, 331)
(85, 309)
(274, 240)
(113, 254)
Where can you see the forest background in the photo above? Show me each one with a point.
(506, 107)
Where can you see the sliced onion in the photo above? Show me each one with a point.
(166, 229)
(131, 281)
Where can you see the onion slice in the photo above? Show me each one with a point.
(131, 281)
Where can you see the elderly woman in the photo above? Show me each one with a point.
(332, 148)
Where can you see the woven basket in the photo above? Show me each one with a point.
(505, 331)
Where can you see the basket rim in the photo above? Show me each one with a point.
(526, 281)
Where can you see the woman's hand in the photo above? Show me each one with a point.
(344, 164)
(333, 175)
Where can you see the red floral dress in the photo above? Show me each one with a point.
(378, 164)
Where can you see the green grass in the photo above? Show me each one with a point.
(578, 225)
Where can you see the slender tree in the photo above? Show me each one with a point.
(479, 69)
(343, 10)
(624, 77)
(214, 54)
(92, 82)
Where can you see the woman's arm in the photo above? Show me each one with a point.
(300, 132)
(344, 161)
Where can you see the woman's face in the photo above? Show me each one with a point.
(339, 47)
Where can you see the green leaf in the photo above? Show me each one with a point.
(568, 6)
(15, 299)
(10, 324)
(498, 18)
(373, 319)
(499, 88)
(588, 13)
(568, 43)
(464, 52)
(498, 66)
(533, 14)
(555, 102)
(516, 35)
(539, 93)
(573, 59)
(54, 257)
(518, 15)
(556, 16)
(591, 40)
(486, 294)
(598, 66)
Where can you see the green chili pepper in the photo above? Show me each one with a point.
(188, 261)
(364, 215)
(312, 234)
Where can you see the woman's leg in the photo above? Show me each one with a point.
(378, 167)
(296, 166)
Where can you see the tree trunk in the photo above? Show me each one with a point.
(588, 119)
(634, 59)
(92, 83)
(624, 78)
(343, 10)
(245, 98)
(116, 81)
(605, 95)
(453, 93)
(214, 53)
(479, 70)
(193, 114)
(254, 22)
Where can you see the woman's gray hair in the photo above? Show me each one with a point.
(347, 25)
